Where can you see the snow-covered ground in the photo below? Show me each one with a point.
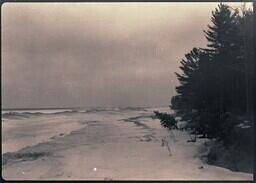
(118, 144)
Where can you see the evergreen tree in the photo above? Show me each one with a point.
(183, 101)
(215, 92)
(166, 120)
(212, 83)
(224, 47)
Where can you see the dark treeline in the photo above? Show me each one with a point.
(215, 81)
(215, 92)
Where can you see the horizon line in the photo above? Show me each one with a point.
(45, 108)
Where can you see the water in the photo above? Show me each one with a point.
(37, 111)
(27, 127)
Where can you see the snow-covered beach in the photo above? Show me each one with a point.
(117, 144)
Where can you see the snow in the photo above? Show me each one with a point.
(103, 145)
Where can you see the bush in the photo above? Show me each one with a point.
(166, 120)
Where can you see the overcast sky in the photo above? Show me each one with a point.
(96, 54)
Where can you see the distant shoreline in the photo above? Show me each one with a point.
(53, 108)
(50, 108)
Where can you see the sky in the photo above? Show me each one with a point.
(97, 54)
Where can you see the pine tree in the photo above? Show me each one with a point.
(166, 120)
(185, 90)
(247, 28)
(186, 102)
(224, 46)
(212, 83)
(216, 83)
(225, 51)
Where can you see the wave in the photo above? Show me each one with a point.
(21, 114)
(15, 115)
(93, 110)
(116, 109)
(44, 111)
(66, 112)
(133, 108)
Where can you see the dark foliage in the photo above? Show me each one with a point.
(166, 120)
(214, 95)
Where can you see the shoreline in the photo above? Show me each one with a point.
(121, 146)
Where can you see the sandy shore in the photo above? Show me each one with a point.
(118, 145)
